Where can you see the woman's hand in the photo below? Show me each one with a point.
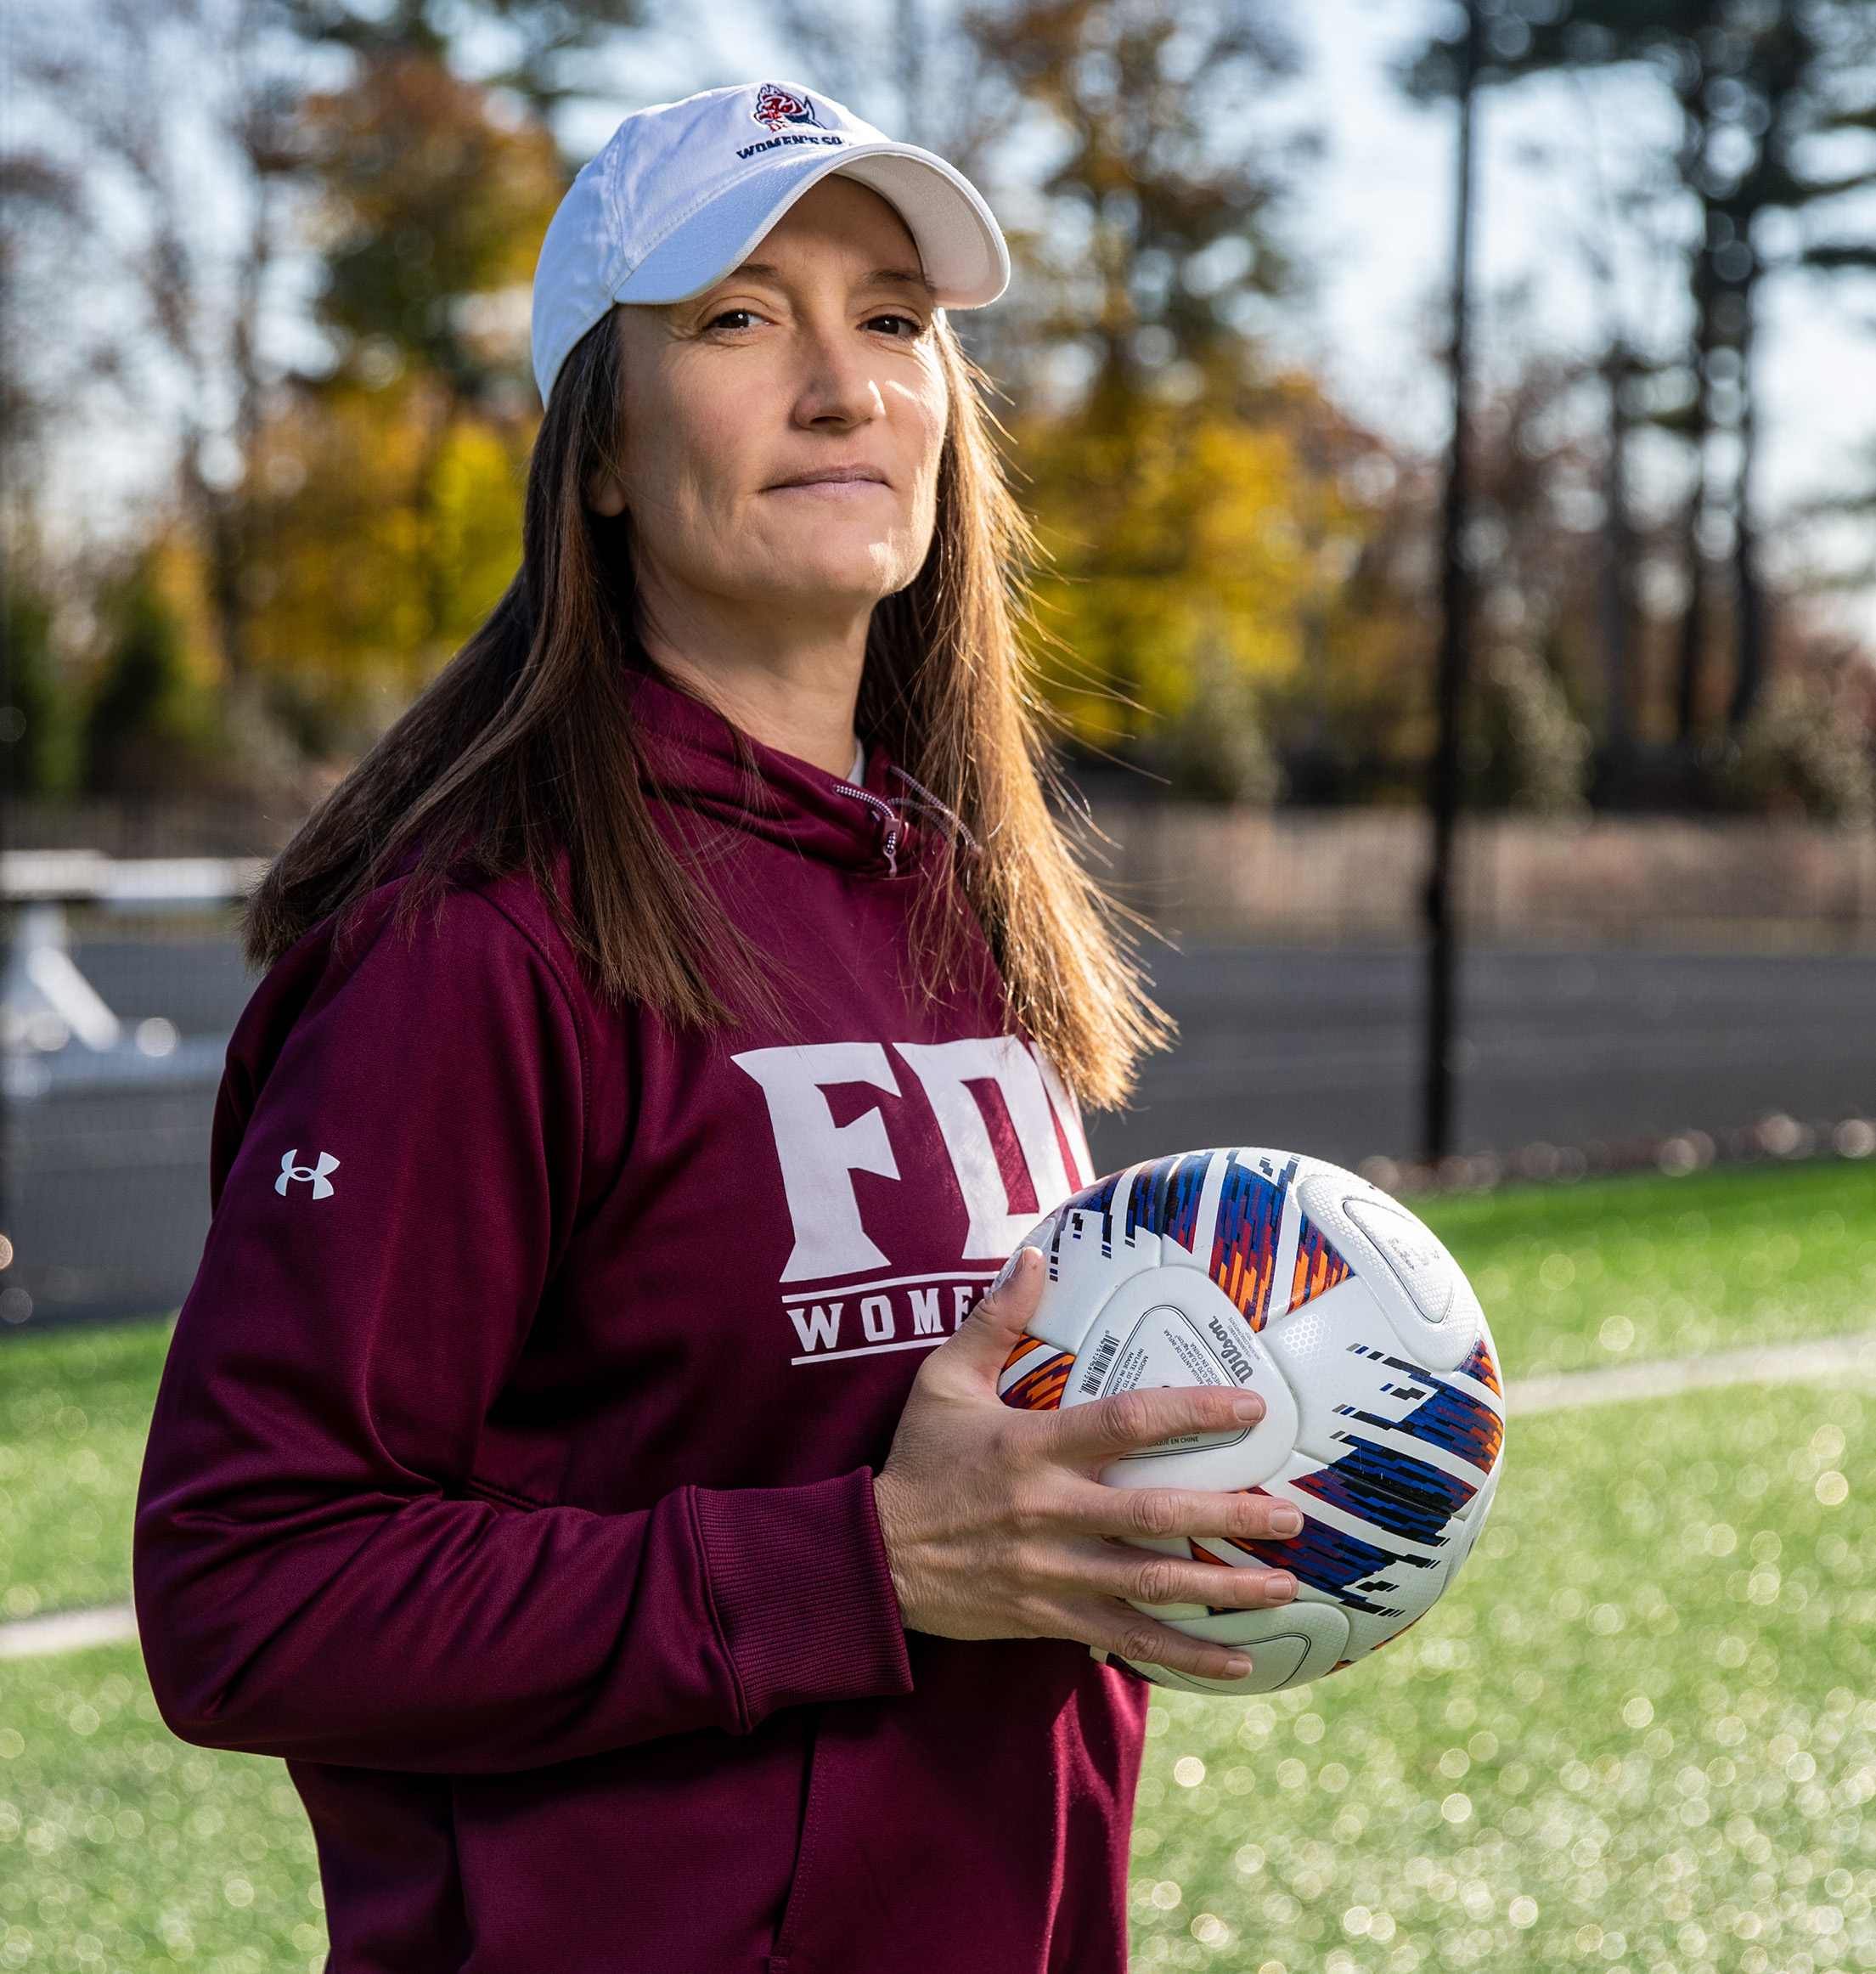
(995, 1526)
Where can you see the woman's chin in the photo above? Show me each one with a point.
(854, 575)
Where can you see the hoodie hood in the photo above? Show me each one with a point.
(695, 759)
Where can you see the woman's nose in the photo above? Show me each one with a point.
(838, 387)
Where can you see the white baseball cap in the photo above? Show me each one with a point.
(682, 191)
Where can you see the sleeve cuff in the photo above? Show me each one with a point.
(799, 1580)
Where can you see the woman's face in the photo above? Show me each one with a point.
(782, 431)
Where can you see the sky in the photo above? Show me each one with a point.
(1379, 216)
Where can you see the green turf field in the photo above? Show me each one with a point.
(74, 1410)
(1639, 1733)
(119, 1847)
(122, 1849)
(1637, 1737)
(1615, 1271)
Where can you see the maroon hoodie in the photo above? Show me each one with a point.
(511, 1476)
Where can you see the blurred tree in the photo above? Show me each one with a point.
(393, 525)
(431, 206)
(1807, 750)
(124, 111)
(39, 369)
(1194, 585)
(1769, 91)
(1532, 543)
(386, 502)
(1159, 237)
(1524, 747)
(149, 97)
(1355, 718)
(543, 50)
(40, 204)
(150, 728)
(1217, 750)
(37, 723)
(911, 66)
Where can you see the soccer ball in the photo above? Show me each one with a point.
(1384, 1418)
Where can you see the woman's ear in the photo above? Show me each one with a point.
(605, 494)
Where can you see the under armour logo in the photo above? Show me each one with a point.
(322, 1186)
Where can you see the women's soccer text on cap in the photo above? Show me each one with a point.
(683, 191)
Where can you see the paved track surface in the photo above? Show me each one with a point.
(107, 1194)
(1319, 1051)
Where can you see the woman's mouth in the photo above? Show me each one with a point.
(838, 481)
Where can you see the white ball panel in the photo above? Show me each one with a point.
(1088, 1257)
(1415, 1595)
(1466, 1530)
(1398, 1252)
(1424, 1268)
(1325, 1354)
(1276, 1661)
(1287, 1647)
(1169, 1328)
(1311, 1348)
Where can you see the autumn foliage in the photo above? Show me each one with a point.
(1235, 584)
(387, 495)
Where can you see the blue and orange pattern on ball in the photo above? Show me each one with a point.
(1042, 1375)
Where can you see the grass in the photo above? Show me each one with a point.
(1638, 1733)
(1615, 1271)
(1636, 1737)
(120, 1848)
(75, 1410)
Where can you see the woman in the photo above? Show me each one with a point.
(649, 1079)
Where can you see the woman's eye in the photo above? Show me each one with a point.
(903, 326)
(735, 318)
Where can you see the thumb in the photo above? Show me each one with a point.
(984, 1341)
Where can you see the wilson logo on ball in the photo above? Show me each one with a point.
(1384, 1420)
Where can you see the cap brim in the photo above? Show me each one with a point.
(960, 246)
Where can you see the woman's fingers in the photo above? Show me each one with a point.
(995, 1526)
(1092, 1434)
(1166, 1513)
(1125, 1633)
(1142, 1578)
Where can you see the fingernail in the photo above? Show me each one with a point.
(1237, 1666)
(1281, 1587)
(1285, 1521)
(1249, 1409)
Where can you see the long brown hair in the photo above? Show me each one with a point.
(524, 745)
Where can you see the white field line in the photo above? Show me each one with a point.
(1823, 1357)
(69, 1630)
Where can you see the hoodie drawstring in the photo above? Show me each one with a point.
(921, 797)
(883, 810)
(924, 798)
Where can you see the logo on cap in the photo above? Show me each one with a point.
(776, 108)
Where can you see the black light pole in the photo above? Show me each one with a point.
(1618, 555)
(1450, 687)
